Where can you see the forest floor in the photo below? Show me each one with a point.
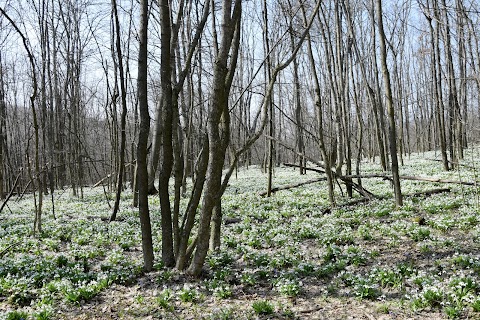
(289, 256)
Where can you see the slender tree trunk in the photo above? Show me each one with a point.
(50, 167)
(390, 109)
(271, 111)
(59, 148)
(3, 132)
(190, 212)
(319, 114)
(123, 137)
(147, 244)
(156, 147)
(300, 144)
(370, 92)
(462, 92)
(37, 226)
(437, 95)
(218, 127)
(360, 126)
(455, 143)
(168, 257)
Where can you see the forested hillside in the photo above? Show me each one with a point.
(151, 110)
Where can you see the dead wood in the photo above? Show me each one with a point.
(389, 177)
(11, 193)
(232, 220)
(101, 181)
(291, 186)
(429, 192)
(465, 183)
(455, 164)
(414, 178)
(304, 168)
(354, 202)
(4, 251)
(345, 179)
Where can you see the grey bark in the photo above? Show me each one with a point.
(390, 109)
(147, 244)
(168, 257)
(218, 126)
(123, 93)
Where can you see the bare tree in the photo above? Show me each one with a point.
(436, 83)
(369, 87)
(392, 135)
(123, 91)
(3, 132)
(269, 163)
(37, 226)
(218, 126)
(147, 244)
(319, 114)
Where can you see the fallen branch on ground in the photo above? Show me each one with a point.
(414, 178)
(11, 193)
(429, 192)
(389, 177)
(101, 181)
(291, 186)
(345, 179)
(4, 251)
(292, 165)
(455, 164)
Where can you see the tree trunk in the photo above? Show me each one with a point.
(156, 147)
(437, 93)
(3, 132)
(190, 212)
(216, 226)
(391, 112)
(462, 92)
(147, 245)
(218, 126)
(168, 257)
(270, 152)
(370, 92)
(37, 225)
(123, 137)
(298, 111)
(319, 114)
(455, 144)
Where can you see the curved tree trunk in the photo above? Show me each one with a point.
(123, 137)
(218, 126)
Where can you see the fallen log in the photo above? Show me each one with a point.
(10, 194)
(101, 181)
(5, 251)
(465, 183)
(291, 186)
(345, 179)
(414, 178)
(428, 193)
(292, 165)
(354, 202)
(455, 164)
